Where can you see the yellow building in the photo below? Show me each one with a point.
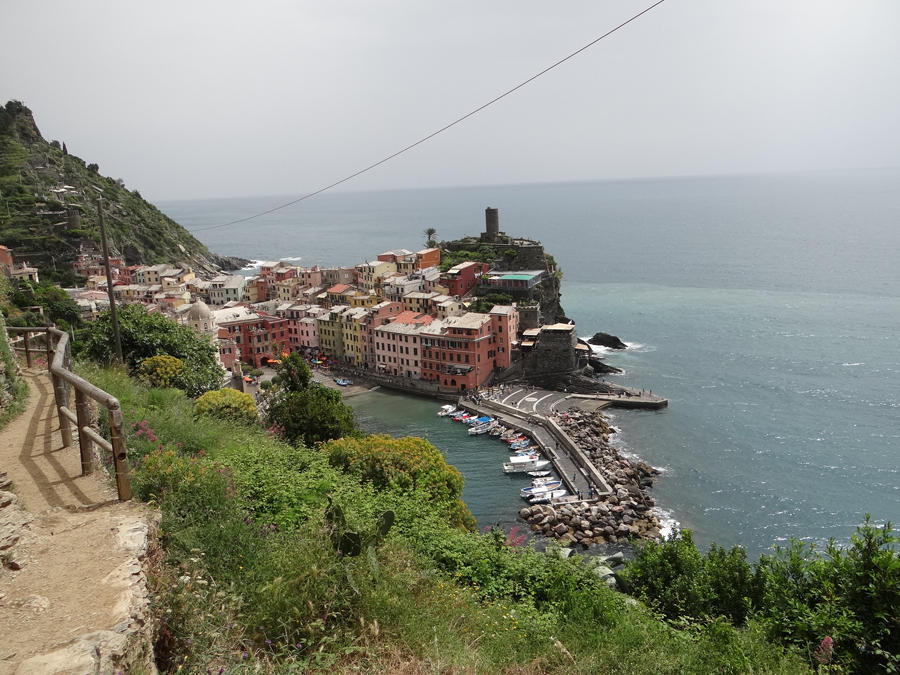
(370, 274)
(331, 331)
(353, 351)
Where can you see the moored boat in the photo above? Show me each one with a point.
(521, 467)
(448, 410)
(535, 490)
(483, 427)
(525, 457)
(545, 497)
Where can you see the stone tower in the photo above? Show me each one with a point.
(491, 226)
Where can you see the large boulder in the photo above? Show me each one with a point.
(608, 341)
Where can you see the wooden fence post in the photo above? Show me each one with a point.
(62, 401)
(85, 444)
(120, 455)
(27, 351)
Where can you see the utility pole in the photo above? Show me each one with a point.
(109, 284)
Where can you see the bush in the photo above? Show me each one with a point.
(227, 404)
(680, 582)
(311, 416)
(146, 335)
(160, 371)
(405, 464)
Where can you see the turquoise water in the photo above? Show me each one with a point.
(766, 308)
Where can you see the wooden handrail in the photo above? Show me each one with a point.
(61, 375)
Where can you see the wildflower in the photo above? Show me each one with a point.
(824, 651)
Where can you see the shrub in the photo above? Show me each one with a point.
(679, 581)
(227, 404)
(145, 335)
(409, 463)
(160, 371)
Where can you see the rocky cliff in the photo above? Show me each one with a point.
(49, 210)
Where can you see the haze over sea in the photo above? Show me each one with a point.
(766, 308)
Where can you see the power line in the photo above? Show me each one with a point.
(441, 130)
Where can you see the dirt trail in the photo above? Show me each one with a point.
(72, 591)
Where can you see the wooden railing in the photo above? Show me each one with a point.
(59, 362)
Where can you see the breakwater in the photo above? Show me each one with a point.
(609, 500)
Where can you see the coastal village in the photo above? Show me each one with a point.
(397, 314)
(403, 320)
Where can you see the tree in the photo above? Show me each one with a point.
(293, 373)
(146, 335)
(429, 236)
(311, 415)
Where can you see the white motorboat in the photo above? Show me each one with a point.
(522, 467)
(545, 497)
(535, 490)
(482, 426)
(538, 474)
(448, 411)
(519, 459)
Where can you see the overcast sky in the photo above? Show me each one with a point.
(207, 99)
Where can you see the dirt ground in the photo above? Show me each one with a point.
(69, 551)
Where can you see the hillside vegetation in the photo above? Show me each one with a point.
(47, 228)
(355, 556)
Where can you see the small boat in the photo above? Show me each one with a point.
(497, 431)
(509, 433)
(544, 481)
(482, 428)
(462, 417)
(515, 439)
(526, 457)
(520, 445)
(535, 490)
(448, 411)
(539, 474)
(342, 382)
(522, 467)
(474, 421)
(547, 496)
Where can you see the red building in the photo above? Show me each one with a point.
(463, 278)
(461, 352)
(257, 340)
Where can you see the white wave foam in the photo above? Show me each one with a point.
(667, 522)
(853, 364)
(254, 265)
(296, 257)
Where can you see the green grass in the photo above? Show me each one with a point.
(247, 578)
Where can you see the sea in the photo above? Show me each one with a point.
(766, 308)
